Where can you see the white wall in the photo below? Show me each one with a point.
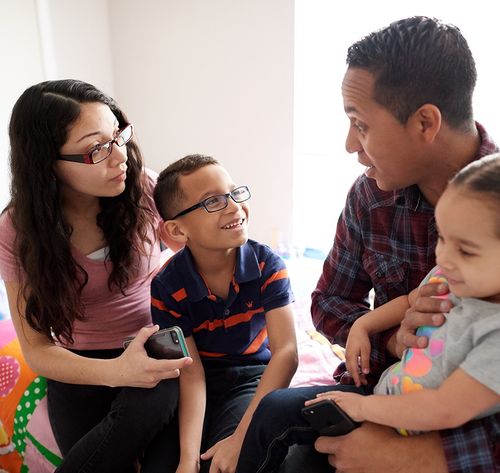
(324, 31)
(195, 76)
(213, 77)
(48, 39)
(21, 65)
(76, 40)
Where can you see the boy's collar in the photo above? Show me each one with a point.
(246, 269)
(247, 264)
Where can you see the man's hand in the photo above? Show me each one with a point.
(373, 448)
(427, 309)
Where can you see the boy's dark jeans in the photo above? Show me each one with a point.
(229, 392)
(277, 424)
(102, 429)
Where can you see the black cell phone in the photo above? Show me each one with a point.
(168, 343)
(327, 418)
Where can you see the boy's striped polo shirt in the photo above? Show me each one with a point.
(231, 331)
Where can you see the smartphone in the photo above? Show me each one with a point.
(168, 343)
(327, 418)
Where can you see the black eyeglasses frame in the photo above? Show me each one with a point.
(203, 205)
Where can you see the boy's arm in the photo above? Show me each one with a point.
(278, 374)
(192, 401)
(459, 399)
(283, 362)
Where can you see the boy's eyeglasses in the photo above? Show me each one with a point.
(100, 152)
(219, 202)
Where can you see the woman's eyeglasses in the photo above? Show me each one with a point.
(100, 152)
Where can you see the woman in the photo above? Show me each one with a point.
(77, 253)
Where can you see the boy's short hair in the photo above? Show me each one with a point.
(168, 195)
(419, 60)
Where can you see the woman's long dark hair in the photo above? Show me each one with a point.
(53, 280)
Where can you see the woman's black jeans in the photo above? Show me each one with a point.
(103, 429)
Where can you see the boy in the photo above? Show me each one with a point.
(231, 296)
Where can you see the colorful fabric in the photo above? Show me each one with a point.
(26, 440)
(231, 331)
(468, 340)
(385, 241)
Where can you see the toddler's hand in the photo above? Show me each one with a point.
(350, 403)
(357, 353)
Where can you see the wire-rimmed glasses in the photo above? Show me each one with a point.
(100, 152)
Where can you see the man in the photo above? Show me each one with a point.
(408, 95)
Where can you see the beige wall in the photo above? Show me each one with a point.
(213, 77)
(21, 64)
(76, 39)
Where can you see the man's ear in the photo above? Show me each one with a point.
(172, 235)
(427, 121)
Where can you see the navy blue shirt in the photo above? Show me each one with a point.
(232, 331)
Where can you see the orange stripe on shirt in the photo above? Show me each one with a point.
(282, 274)
(209, 354)
(229, 322)
(236, 286)
(257, 342)
(179, 295)
(161, 306)
(262, 266)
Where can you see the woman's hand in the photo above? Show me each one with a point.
(135, 368)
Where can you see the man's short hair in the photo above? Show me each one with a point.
(419, 60)
(168, 195)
